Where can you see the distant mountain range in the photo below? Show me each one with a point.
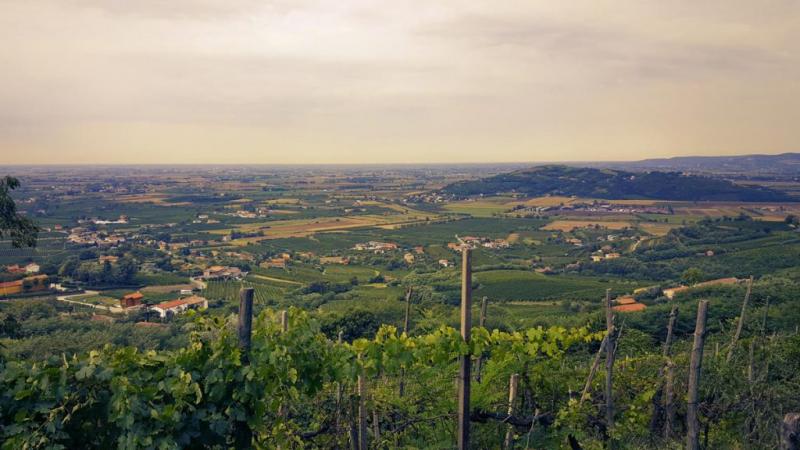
(783, 164)
(613, 184)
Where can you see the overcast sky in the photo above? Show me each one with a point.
(305, 81)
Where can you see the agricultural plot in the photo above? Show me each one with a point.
(477, 208)
(228, 291)
(531, 286)
(569, 225)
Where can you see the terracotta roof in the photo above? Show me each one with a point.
(133, 296)
(11, 284)
(626, 300)
(632, 307)
(182, 301)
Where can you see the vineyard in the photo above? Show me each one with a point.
(228, 291)
(274, 380)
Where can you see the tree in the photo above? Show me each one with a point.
(68, 267)
(20, 229)
(692, 276)
(791, 219)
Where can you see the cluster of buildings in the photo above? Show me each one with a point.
(84, 236)
(223, 273)
(279, 262)
(121, 220)
(33, 283)
(376, 246)
(627, 303)
(28, 269)
(600, 256)
(164, 309)
(473, 242)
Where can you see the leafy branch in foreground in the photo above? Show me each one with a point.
(20, 229)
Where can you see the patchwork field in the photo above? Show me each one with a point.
(569, 225)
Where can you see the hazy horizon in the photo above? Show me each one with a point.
(357, 82)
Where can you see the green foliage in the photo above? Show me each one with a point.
(20, 229)
(206, 392)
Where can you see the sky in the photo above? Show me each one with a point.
(411, 81)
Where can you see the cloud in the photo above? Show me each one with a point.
(512, 80)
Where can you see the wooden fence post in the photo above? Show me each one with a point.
(245, 325)
(512, 399)
(362, 412)
(692, 423)
(406, 323)
(658, 410)
(482, 324)
(243, 435)
(283, 410)
(790, 432)
(464, 377)
(610, 354)
(739, 326)
(673, 317)
(407, 320)
(593, 370)
(669, 408)
(337, 418)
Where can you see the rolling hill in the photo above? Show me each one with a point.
(782, 164)
(613, 184)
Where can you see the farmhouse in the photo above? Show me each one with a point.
(32, 268)
(173, 307)
(671, 292)
(377, 247)
(222, 273)
(28, 284)
(131, 300)
(334, 260)
(279, 263)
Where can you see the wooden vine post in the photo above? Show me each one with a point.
(692, 423)
(593, 370)
(662, 402)
(243, 435)
(284, 321)
(512, 399)
(406, 324)
(610, 354)
(362, 412)
(464, 360)
(283, 410)
(482, 324)
(740, 325)
(669, 395)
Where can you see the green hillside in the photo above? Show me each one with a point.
(614, 184)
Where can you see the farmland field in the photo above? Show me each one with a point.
(569, 225)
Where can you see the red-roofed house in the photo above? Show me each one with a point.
(131, 300)
(179, 306)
